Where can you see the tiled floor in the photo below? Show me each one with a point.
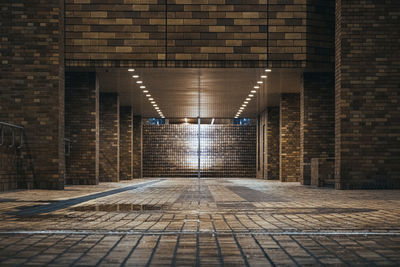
(199, 222)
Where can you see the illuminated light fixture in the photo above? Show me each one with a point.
(142, 87)
(186, 120)
(268, 70)
(241, 108)
(148, 95)
(151, 99)
(236, 117)
(253, 91)
(248, 99)
(139, 82)
(153, 102)
(264, 76)
(260, 82)
(212, 121)
(145, 91)
(135, 76)
(131, 70)
(250, 95)
(256, 87)
(244, 105)
(246, 102)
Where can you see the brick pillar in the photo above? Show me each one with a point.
(317, 121)
(137, 147)
(82, 127)
(289, 163)
(32, 87)
(109, 137)
(126, 143)
(367, 91)
(272, 143)
(262, 146)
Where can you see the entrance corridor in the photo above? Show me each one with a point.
(199, 222)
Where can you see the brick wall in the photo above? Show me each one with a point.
(262, 147)
(109, 137)
(137, 147)
(82, 127)
(367, 94)
(289, 166)
(317, 121)
(126, 143)
(32, 83)
(224, 33)
(272, 143)
(172, 151)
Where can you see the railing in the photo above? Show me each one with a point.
(12, 129)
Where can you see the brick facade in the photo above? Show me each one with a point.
(32, 83)
(109, 137)
(172, 151)
(262, 148)
(126, 143)
(367, 94)
(273, 143)
(137, 147)
(317, 121)
(82, 127)
(289, 163)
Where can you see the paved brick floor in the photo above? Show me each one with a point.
(199, 222)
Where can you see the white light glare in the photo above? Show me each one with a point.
(131, 70)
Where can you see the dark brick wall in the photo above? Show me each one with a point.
(367, 94)
(317, 121)
(126, 143)
(289, 166)
(201, 33)
(82, 127)
(137, 147)
(262, 147)
(109, 137)
(172, 151)
(32, 83)
(272, 143)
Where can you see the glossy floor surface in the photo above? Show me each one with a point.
(199, 222)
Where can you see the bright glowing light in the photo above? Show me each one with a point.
(259, 82)
(153, 102)
(248, 99)
(268, 70)
(135, 76)
(264, 76)
(256, 87)
(151, 99)
(148, 95)
(246, 102)
(142, 87)
(253, 91)
(139, 82)
(145, 91)
(186, 120)
(250, 95)
(131, 70)
(241, 108)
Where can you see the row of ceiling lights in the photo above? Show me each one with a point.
(147, 93)
(251, 95)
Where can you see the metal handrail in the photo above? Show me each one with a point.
(12, 127)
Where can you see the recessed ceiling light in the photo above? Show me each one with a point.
(153, 102)
(142, 87)
(244, 105)
(131, 70)
(246, 102)
(148, 95)
(256, 87)
(253, 91)
(139, 82)
(268, 70)
(248, 99)
(145, 91)
(241, 108)
(264, 76)
(259, 82)
(151, 99)
(135, 76)
(250, 95)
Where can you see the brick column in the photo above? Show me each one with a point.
(137, 147)
(367, 91)
(289, 163)
(109, 137)
(272, 143)
(126, 143)
(82, 127)
(317, 121)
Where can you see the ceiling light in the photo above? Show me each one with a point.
(142, 87)
(151, 99)
(236, 117)
(253, 91)
(145, 91)
(241, 108)
(148, 95)
(250, 95)
(264, 76)
(248, 99)
(256, 87)
(246, 102)
(153, 102)
(135, 76)
(244, 105)
(131, 70)
(139, 82)
(259, 82)
(268, 70)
